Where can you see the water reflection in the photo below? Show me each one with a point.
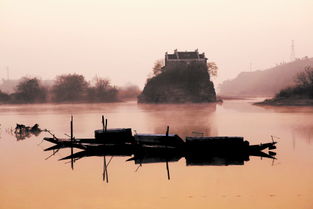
(193, 118)
(27, 177)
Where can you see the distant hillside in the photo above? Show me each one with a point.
(264, 82)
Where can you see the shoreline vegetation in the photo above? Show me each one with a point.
(300, 94)
(68, 88)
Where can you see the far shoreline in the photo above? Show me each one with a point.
(286, 102)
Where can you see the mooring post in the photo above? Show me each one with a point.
(72, 139)
(72, 128)
(103, 123)
(105, 167)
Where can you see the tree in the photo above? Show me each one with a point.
(103, 91)
(212, 69)
(70, 88)
(303, 88)
(29, 90)
(158, 67)
(4, 97)
(305, 78)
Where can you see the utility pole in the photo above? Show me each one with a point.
(292, 53)
(8, 73)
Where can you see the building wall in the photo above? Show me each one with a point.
(170, 64)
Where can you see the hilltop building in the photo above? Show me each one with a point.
(184, 58)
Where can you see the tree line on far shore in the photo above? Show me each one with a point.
(70, 88)
(303, 87)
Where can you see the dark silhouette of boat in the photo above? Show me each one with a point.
(122, 137)
(162, 148)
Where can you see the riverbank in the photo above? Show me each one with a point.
(286, 102)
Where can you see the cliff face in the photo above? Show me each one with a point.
(181, 84)
(266, 82)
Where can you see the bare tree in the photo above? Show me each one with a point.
(305, 78)
(212, 69)
(158, 67)
(30, 90)
(103, 91)
(70, 88)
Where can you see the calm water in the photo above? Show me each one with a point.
(27, 180)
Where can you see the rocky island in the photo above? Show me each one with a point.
(183, 79)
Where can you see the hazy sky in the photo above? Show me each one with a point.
(121, 39)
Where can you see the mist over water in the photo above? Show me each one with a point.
(260, 183)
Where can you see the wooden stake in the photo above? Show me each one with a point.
(103, 123)
(167, 167)
(105, 172)
(72, 139)
(168, 171)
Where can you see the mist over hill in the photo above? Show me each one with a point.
(264, 82)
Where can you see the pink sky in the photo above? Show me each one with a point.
(121, 40)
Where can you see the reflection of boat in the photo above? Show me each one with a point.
(150, 154)
(103, 150)
(160, 154)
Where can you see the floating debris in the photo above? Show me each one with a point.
(22, 132)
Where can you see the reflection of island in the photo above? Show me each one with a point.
(183, 118)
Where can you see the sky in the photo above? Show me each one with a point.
(121, 40)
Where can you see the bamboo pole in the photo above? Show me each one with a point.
(103, 123)
(72, 139)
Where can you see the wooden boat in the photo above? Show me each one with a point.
(224, 144)
(163, 147)
(216, 143)
(114, 136)
(103, 136)
(170, 140)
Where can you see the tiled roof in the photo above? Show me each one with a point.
(185, 55)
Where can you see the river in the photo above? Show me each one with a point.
(30, 179)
